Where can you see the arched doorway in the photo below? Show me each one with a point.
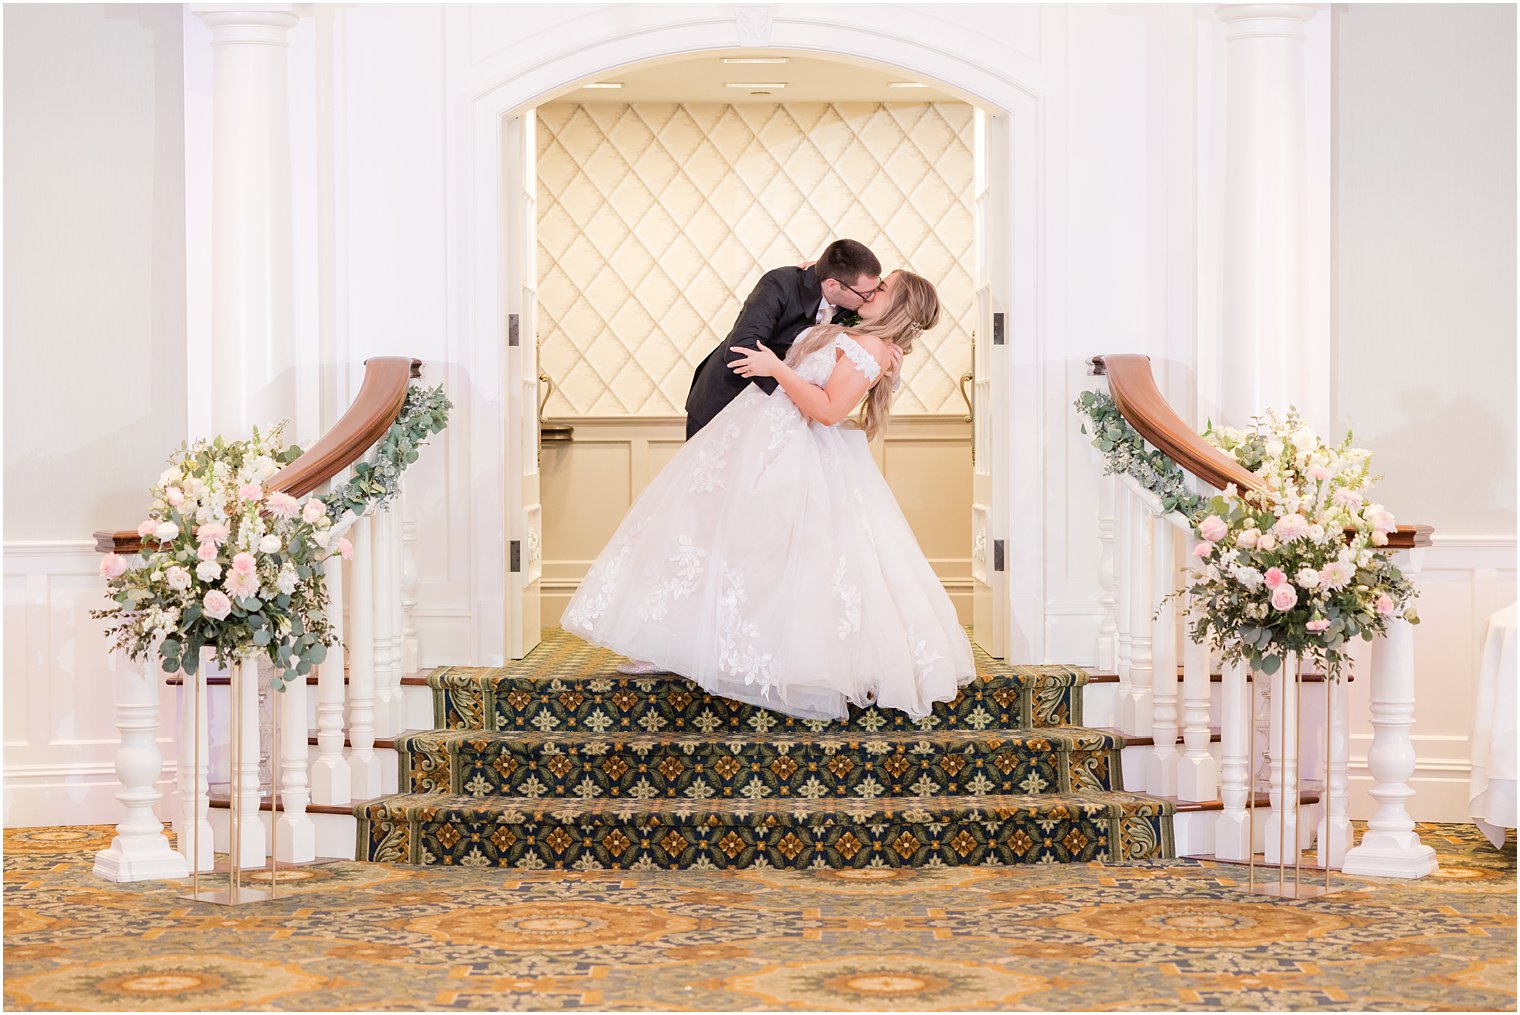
(496, 215)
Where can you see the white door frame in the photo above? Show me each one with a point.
(513, 80)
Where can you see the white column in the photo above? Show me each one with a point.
(1232, 836)
(194, 824)
(295, 834)
(1197, 773)
(1391, 847)
(1266, 211)
(252, 317)
(1135, 708)
(1335, 832)
(361, 664)
(331, 780)
(1161, 774)
(1281, 834)
(1108, 630)
(139, 851)
(252, 840)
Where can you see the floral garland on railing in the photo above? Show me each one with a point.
(1295, 568)
(238, 569)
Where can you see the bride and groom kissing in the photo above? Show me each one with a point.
(768, 562)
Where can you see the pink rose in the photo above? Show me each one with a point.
(175, 496)
(244, 563)
(1284, 597)
(1319, 473)
(206, 551)
(217, 605)
(251, 491)
(1274, 577)
(1318, 625)
(212, 532)
(146, 528)
(345, 549)
(112, 566)
(1213, 528)
(1203, 549)
(283, 505)
(1383, 522)
(1385, 604)
(313, 511)
(241, 586)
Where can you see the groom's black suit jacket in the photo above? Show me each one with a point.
(783, 303)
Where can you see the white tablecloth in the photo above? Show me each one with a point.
(1492, 793)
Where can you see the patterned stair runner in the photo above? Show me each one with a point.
(558, 761)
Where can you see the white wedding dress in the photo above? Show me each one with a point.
(769, 563)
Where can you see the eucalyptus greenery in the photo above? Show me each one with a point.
(374, 483)
(1125, 452)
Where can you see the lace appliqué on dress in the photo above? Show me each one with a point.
(849, 602)
(712, 460)
(589, 608)
(688, 560)
(863, 361)
(785, 420)
(746, 662)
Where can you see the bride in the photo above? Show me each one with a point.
(768, 561)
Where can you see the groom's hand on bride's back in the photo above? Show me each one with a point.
(756, 323)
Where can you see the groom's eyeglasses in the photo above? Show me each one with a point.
(865, 297)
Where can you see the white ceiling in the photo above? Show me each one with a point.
(705, 78)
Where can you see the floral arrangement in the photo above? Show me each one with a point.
(230, 565)
(1295, 567)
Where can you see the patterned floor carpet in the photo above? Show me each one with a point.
(1162, 935)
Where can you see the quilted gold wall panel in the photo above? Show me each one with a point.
(656, 220)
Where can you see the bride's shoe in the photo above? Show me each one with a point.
(635, 668)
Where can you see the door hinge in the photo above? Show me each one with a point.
(997, 328)
(516, 564)
(512, 329)
(997, 555)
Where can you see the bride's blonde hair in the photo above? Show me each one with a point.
(912, 309)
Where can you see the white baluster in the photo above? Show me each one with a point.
(393, 597)
(1280, 836)
(295, 834)
(1161, 773)
(1197, 773)
(361, 665)
(194, 824)
(1335, 832)
(331, 779)
(1108, 630)
(1123, 592)
(1391, 847)
(139, 851)
(1135, 710)
(385, 587)
(252, 848)
(1232, 835)
(408, 596)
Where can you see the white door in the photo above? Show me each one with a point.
(520, 284)
(989, 368)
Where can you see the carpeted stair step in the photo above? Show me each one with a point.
(801, 764)
(566, 685)
(791, 834)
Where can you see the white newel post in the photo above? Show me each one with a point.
(1391, 847)
(362, 760)
(1161, 774)
(1197, 774)
(139, 851)
(1283, 723)
(295, 834)
(1266, 211)
(252, 315)
(1135, 707)
(1232, 833)
(331, 780)
(1108, 630)
(194, 823)
(245, 785)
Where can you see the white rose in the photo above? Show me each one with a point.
(167, 476)
(166, 532)
(1267, 542)
(1250, 577)
(1249, 538)
(313, 510)
(285, 581)
(1274, 448)
(269, 544)
(262, 467)
(179, 578)
(1317, 532)
(1307, 578)
(208, 571)
(1305, 437)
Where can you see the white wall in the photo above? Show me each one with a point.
(94, 265)
(1425, 265)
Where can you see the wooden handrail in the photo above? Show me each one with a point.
(374, 409)
(1140, 402)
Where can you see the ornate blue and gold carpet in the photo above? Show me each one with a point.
(1138, 935)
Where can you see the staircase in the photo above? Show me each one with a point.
(557, 761)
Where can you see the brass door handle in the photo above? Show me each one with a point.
(967, 378)
(548, 382)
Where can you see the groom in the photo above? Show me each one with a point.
(785, 301)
